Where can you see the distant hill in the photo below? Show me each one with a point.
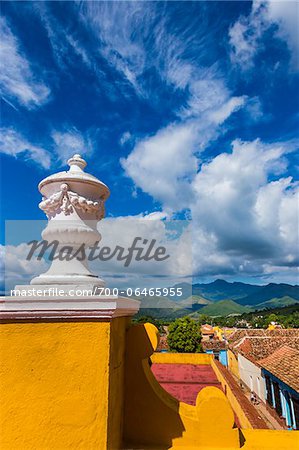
(285, 310)
(224, 308)
(269, 292)
(185, 292)
(277, 302)
(220, 298)
(243, 293)
(161, 307)
(222, 290)
(163, 313)
(195, 302)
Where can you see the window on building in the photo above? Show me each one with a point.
(296, 411)
(278, 406)
(269, 393)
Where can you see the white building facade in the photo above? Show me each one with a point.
(251, 376)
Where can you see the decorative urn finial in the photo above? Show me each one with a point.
(73, 201)
(76, 163)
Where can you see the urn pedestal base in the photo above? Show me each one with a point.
(28, 304)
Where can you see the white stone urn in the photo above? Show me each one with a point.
(73, 201)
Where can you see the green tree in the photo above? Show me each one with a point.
(271, 318)
(203, 318)
(184, 336)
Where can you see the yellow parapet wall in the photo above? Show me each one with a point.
(270, 440)
(182, 358)
(233, 363)
(61, 385)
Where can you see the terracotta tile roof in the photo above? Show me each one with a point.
(207, 329)
(284, 364)
(241, 333)
(162, 343)
(215, 344)
(259, 332)
(256, 348)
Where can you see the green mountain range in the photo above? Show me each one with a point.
(224, 308)
(252, 297)
(277, 302)
(220, 298)
(243, 293)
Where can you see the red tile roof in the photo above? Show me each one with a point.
(207, 329)
(163, 345)
(258, 344)
(214, 344)
(258, 348)
(284, 364)
(259, 332)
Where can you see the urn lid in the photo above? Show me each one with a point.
(76, 173)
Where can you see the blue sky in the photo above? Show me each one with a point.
(184, 109)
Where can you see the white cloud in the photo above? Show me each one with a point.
(244, 39)
(18, 270)
(126, 137)
(243, 222)
(174, 236)
(136, 37)
(17, 79)
(66, 142)
(14, 144)
(247, 32)
(116, 25)
(207, 93)
(163, 164)
(70, 141)
(286, 15)
(218, 116)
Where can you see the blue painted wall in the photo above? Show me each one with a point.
(223, 357)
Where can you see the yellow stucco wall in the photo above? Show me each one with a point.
(182, 358)
(233, 363)
(219, 332)
(58, 383)
(270, 440)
